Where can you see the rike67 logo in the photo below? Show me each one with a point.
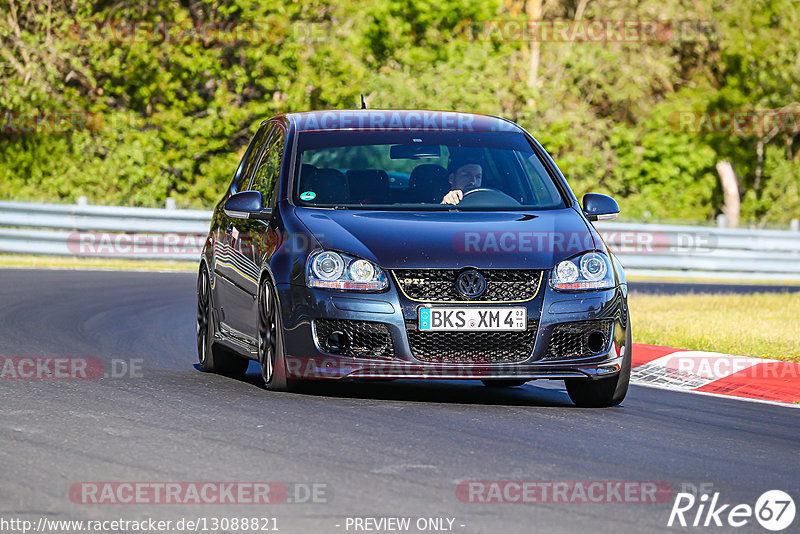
(774, 510)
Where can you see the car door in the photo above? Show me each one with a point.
(236, 278)
(262, 237)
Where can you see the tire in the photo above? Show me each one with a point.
(503, 383)
(270, 340)
(605, 392)
(212, 357)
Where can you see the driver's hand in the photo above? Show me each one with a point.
(453, 197)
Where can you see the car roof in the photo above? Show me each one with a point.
(384, 119)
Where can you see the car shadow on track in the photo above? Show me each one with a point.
(440, 391)
(534, 393)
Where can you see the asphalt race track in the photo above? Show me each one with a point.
(383, 449)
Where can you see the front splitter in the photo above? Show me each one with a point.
(322, 368)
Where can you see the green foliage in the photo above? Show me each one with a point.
(172, 117)
(779, 198)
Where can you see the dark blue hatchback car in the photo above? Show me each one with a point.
(411, 244)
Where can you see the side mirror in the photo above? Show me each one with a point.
(599, 207)
(246, 205)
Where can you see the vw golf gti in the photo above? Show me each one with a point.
(377, 244)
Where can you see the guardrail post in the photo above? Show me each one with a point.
(171, 203)
(722, 220)
(794, 225)
(83, 200)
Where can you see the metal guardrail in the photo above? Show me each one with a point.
(704, 252)
(150, 233)
(102, 231)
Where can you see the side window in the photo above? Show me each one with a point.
(269, 168)
(245, 169)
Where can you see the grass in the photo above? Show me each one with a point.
(73, 262)
(764, 325)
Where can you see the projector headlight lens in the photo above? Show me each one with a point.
(593, 267)
(590, 270)
(328, 266)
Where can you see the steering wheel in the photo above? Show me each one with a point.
(487, 197)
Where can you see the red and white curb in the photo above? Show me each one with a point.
(717, 374)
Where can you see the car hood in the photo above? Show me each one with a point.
(445, 239)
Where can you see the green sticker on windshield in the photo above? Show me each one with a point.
(308, 195)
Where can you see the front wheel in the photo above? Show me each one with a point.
(270, 340)
(595, 393)
(213, 358)
(604, 392)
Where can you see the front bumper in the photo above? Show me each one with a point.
(327, 367)
(305, 359)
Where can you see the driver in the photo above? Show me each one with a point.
(465, 175)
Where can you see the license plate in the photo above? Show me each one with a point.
(473, 319)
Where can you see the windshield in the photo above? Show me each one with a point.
(412, 170)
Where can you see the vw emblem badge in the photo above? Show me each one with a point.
(471, 284)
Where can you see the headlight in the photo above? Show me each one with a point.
(334, 270)
(587, 271)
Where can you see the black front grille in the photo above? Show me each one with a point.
(572, 340)
(471, 347)
(363, 338)
(439, 285)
